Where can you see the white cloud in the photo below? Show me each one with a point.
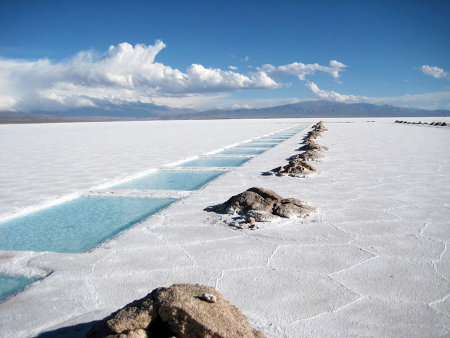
(129, 73)
(246, 59)
(232, 67)
(436, 72)
(433, 100)
(301, 70)
(332, 95)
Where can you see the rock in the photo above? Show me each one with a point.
(261, 205)
(294, 167)
(182, 310)
(309, 155)
(291, 207)
(209, 297)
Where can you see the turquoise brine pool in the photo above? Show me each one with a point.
(171, 180)
(255, 145)
(10, 284)
(233, 151)
(78, 225)
(215, 162)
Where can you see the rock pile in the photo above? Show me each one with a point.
(181, 310)
(261, 205)
(295, 167)
(442, 124)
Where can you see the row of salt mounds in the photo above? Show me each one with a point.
(297, 165)
(442, 124)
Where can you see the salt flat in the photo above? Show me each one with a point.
(43, 162)
(372, 262)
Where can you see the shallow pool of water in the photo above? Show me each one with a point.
(171, 180)
(215, 162)
(10, 284)
(77, 225)
(233, 151)
(255, 145)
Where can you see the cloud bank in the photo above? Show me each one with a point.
(130, 73)
(434, 100)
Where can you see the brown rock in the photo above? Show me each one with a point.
(179, 311)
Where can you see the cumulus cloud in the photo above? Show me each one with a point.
(130, 73)
(332, 95)
(301, 70)
(436, 72)
(433, 100)
(232, 67)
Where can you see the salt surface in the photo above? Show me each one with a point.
(372, 262)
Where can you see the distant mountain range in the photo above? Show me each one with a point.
(129, 111)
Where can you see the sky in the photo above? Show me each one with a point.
(60, 55)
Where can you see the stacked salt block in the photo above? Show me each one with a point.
(261, 205)
(181, 310)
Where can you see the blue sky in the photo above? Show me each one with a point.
(56, 55)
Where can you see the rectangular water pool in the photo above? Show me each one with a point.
(77, 225)
(233, 151)
(255, 145)
(215, 162)
(171, 180)
(10, 284)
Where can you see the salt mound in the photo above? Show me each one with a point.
(182, 310)
(309, 155)
(294, 167)
(319, 126)
(311, 145)
(261, 205)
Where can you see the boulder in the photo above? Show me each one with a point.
(181, 310)
(309, 155)
(294, 167)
